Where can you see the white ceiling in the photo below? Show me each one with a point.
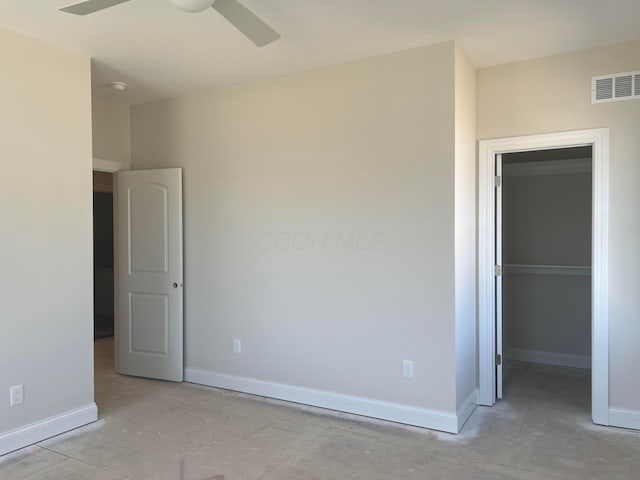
(162, 52)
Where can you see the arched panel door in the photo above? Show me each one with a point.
(149, 274)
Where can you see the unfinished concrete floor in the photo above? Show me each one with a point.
(151, 429)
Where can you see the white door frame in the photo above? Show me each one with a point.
(488, 149)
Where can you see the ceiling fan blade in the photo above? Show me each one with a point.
(246, 21)
(85, 8)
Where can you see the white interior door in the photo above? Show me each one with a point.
(149, 293)
(498, 276)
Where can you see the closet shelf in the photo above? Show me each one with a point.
(575, 270)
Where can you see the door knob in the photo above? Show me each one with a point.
(174, 285)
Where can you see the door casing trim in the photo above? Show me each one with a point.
(488, 149)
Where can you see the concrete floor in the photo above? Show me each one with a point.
(150, 429)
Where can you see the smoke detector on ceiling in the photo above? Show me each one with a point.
(119, 86)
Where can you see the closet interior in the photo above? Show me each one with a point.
(546, 251)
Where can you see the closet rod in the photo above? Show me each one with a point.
(575, 270)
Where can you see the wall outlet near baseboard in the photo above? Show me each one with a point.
(407, 368)
(16, 395)
(237, 345)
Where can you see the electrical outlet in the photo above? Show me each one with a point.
(237, 345)
(407, 369)
(16, 395)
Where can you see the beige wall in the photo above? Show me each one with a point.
(547, 313)
(465, 228)
(554, 94)
(547, 219)
(46, 342)
(319, 225)
(111, 130)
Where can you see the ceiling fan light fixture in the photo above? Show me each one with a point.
(192, 6)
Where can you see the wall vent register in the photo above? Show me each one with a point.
(615, 87)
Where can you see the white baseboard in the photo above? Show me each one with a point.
(395, 412)
(49, 427)
(548, 358)
(622, 417)
(466, 409)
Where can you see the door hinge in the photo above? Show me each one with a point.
(497, 181)
(498, 359)
(497, 269)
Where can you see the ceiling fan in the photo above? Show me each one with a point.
(237, 14)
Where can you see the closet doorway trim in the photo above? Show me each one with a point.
(598, 139)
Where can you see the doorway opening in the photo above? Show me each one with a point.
(544, 221)
(491, 266)
(103, 259)
(103, 278)
(138, 252)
